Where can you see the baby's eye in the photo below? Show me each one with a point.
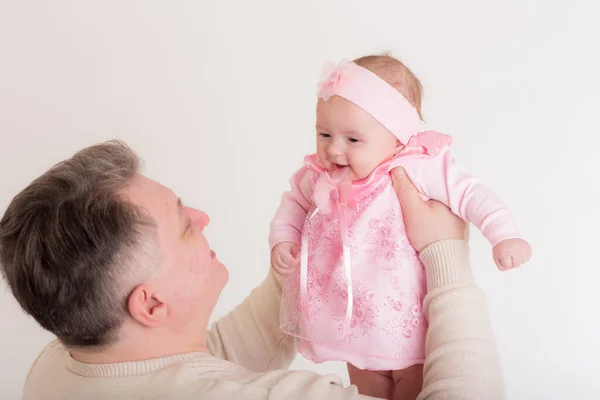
(325, 135)
(353, 140)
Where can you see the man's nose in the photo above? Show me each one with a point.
(199, 218)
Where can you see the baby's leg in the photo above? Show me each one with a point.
(371, 383)
(408, 382)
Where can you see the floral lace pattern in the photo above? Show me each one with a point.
(387, 279)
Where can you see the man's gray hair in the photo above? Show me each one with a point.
(70, 238)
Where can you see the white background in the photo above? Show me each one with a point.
(218, 99)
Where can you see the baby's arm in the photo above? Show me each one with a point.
(286, 226)
(290, 216)
(440, 178)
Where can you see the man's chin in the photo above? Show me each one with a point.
(223, 273)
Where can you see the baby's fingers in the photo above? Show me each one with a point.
(289, 259)
(280, 268)
(504, 261)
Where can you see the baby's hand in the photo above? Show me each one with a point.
(511, 253)
(285, 257)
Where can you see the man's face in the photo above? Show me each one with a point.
(189, 278)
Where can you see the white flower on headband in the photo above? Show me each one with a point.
(330, 77)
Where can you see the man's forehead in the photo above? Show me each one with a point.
(152, 196)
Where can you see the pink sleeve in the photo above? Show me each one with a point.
(290, 216)
(440, 178)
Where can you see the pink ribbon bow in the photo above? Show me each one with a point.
(330, 78)
(329, 192)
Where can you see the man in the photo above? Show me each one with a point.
(119, 270)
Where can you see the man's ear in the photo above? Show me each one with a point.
(147, 306)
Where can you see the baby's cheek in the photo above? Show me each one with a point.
(322, 158)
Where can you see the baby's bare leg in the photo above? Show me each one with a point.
(408, 382)
(371, 383)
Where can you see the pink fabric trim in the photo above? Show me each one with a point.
(433, 172)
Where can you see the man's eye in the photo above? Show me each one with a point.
(325, 135)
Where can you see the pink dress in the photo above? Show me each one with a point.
(353, 241)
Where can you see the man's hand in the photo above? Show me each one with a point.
(426, 221)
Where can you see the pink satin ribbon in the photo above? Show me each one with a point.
(338, 200)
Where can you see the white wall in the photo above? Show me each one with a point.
(218, 99)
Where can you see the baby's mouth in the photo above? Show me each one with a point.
(340, 171)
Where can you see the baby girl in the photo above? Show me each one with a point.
(354, 284)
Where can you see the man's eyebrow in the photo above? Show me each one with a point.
(186, 221)
(181, 207)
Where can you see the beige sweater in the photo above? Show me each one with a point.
(250, 354)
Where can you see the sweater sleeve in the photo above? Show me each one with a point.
(441, 178)
(461, 356)
(290, 216)
(250, 336)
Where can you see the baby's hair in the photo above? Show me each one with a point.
(395, 73)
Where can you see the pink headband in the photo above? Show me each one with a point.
(372, 94)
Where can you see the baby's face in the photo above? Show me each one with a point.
(349, 137)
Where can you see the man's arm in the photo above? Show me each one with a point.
(461, 360)
(461, 355)
(250, 335)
